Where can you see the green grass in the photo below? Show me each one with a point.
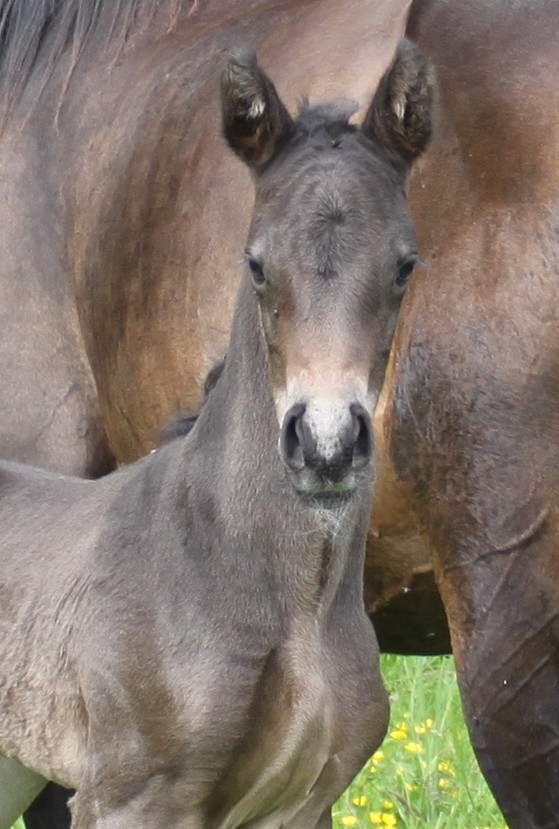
(425, 773)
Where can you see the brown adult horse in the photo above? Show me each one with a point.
(473, 398)
(201, 655)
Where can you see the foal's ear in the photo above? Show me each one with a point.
(401, 113)
(255, 122)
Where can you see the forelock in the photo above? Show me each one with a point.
(331, 118)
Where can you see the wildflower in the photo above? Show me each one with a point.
(377, 757)
(399, 734)
(413, 748)
(420, 729)
(446, 768)
(375, 817)
(360, 800)
(349, 820)
(387, 804)
(388, 819)
(444, 783)
(429, 723)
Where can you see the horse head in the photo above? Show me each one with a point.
(330, 250)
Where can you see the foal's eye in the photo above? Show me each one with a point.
(257, 272)
(405, 270)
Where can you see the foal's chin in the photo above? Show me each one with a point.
(324, 493)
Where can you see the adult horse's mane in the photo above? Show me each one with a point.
(41, 30)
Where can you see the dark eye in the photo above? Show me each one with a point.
(257, 272)
(405, 270)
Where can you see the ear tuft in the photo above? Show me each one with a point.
(400, 116)
(255, 121)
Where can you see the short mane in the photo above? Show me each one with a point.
(30, 29)
(333, 117)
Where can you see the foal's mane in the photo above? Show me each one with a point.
(333, 117)
(44, 29)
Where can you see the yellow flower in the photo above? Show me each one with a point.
(429, 723)
(400, 732)
(446, 768)
(349, 820)
(444, 783)
(375, 817)
(389, 819)
(377, 757)
(420, 729)
(387, 804)
(413, 748)
(360, 800)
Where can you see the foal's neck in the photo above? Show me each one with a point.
(308, 550)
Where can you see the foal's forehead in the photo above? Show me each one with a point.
(334, 178)
(327, 191)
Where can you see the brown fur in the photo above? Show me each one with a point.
(472, 397)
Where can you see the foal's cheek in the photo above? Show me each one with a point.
(380, 344)
(270, 322)
(274, 336)
(277, 371)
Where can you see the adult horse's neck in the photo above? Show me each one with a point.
(309, 551)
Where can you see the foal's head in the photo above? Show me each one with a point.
(330, 250)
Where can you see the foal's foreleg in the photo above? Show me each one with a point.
(18, 788)
(142, 811)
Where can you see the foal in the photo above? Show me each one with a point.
(184, 641)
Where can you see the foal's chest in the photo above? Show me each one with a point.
(287, 757)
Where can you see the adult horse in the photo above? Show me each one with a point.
(202, 656)
(472, 412)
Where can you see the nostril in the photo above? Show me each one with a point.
(363, 443)
(291, 438)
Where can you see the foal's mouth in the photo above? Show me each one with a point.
(329, 499)
(323, 492)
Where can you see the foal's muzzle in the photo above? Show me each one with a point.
(324, 450)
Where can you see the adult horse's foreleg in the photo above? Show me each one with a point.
(503, 606)
(19, 787)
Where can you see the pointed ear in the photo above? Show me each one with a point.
(401, 113)
(255, 121)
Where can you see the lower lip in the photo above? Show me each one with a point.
(327, 498)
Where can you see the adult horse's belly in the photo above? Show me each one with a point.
(401, 596)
